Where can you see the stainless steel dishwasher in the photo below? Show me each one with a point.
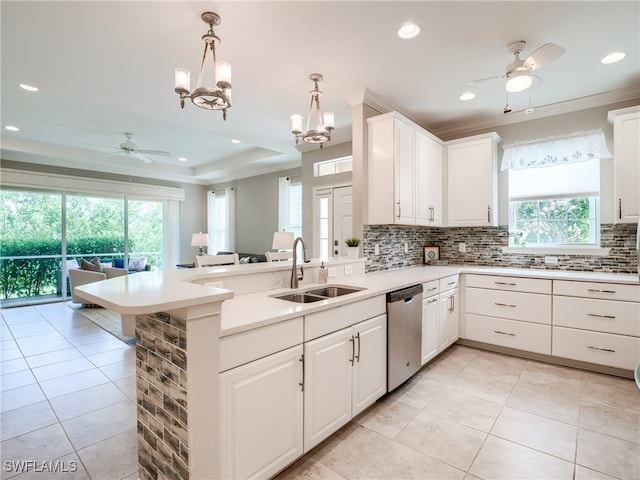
(404, 334)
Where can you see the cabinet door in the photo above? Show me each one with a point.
(405, 172)
(328, 377)
(370, 366)
(472, 183)
(430, 314)
(428, 181)
(261, 415)
(448, 331)
(626, 165)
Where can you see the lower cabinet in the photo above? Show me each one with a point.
(345, 372)
(448, 328)
(430, 321)
(261, 415)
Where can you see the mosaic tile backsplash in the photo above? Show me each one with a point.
(484, 247)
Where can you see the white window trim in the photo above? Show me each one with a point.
(559, 250)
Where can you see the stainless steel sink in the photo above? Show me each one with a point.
(317, 294)
(300, 297)
(333, 291)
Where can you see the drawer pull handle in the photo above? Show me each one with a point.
(597, 290)
(504, 305)
(597, 315)
(432, 300)
(301, 359)
(451, 283)
(511, 284)
(601, 349)
(432, 289)
(504, 333)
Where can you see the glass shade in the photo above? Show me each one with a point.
(223, 75)
(328, 120)
(183, 79)
(296, 123)
(519, 81)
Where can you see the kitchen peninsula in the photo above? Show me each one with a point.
(194, 327)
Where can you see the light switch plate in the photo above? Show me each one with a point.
(332, 272)
(348, 269)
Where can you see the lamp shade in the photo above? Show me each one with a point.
(282, 240)
(200, 239)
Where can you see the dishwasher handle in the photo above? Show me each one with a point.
(404, 294)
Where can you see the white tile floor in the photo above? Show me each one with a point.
(68, 398)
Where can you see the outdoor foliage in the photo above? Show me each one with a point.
(26, 277)
(31, 226)
(556, 221)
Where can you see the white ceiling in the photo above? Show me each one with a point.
(105, 68)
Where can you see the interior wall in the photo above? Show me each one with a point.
(256, 209)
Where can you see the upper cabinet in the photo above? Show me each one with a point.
(626, 163)
(472, 181)
(405, 172)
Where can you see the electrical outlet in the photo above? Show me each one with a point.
(406, 247)
(332, 272)
(551, 260)
(462, 247)
(348, 269)
(376, 249)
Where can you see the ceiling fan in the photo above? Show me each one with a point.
(131, 149)
(518, 72)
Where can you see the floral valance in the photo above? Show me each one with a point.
(546, 152)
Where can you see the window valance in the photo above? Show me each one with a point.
(559, 150)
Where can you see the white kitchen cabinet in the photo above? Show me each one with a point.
(345, 372)
(510, 312)
(261, 415)
(405, 172)
(449, 318)
(430, 321)
(597, 323)
(429, 155)
(472, 181)
(626, 163)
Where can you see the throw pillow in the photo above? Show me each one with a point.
(137, 263)
(92, 267)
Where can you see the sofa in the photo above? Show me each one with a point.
(247, 257)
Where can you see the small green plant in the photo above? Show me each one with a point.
(352, 242)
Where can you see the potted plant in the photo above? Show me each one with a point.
(353, 248)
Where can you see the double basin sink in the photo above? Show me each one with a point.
(318, 293)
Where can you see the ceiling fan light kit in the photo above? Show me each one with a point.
(214, 98)
(324, 123)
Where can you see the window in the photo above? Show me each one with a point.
(221, 221)
(331, 167)
(554, 191)
(290, 205)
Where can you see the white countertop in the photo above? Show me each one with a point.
(148, 292)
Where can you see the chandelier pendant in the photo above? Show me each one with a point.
(324, 123)
(214, 98)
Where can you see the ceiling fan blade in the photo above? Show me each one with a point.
(119, 152)
(483, 79)
(143, 158)
(542, 56)
(155, 152)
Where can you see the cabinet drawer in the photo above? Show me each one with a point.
(607, 316)
(247, 346)
(448, 283)
(334, 319)
(528, 307)
(618, 351)
(531, 337)
(516, 284)
(430, 288)
(610, 291)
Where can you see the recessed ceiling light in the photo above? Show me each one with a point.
(28, 88)
(467, 96)
(182, 159)
(235, 141)
(408, 30)
(12, 128)
(613, 57)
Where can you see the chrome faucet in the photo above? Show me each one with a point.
(294, 269)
